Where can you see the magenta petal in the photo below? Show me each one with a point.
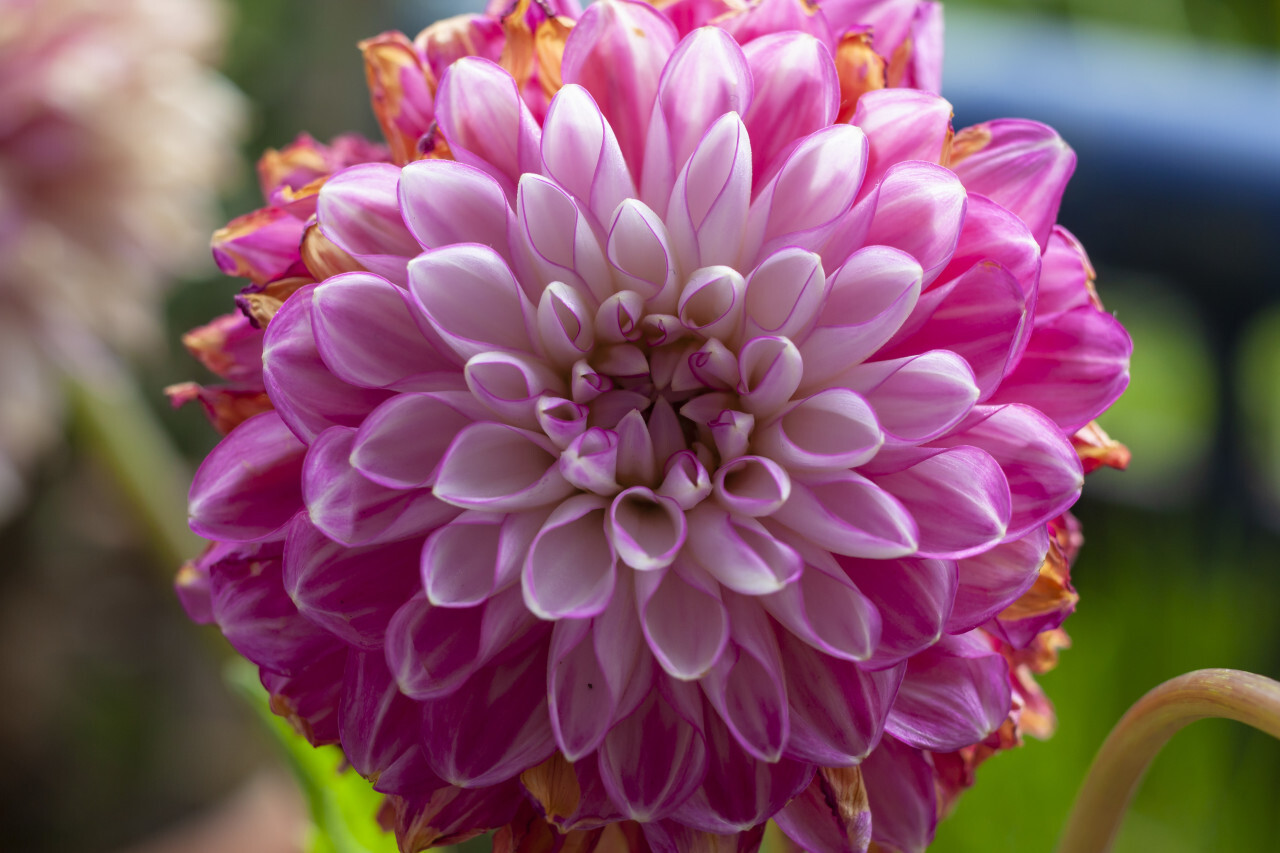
(432, 650)
(868, 299)
(959, 498)
(1038, 461)
(994, 579)
(448, 284)
(918, 397)
(352, 509)
(378, 724)
(1073, 368)
(621, 651)
(393, 449)
(472, 741)
(306, 394)
(352, 592)
(747, 686)
(917, 594)
(827, 611)
(707, 214)
(359, 210)
(654, 759)
(838, 708)
(992, 233)
(846, 513)
(310, 695)
(582, 701)
(486, 122)
(498, 468)
(920, 210)
(740, 791)
(788, 107)
(816, 822)
(1024, 166)
(739, 552)
(902, 124)
(250, 485)
(901, 794)
(683, 618)
(366, 334)
(444, 202)
(571, 568)
(804, 202)
(954, 694)
(621, 71)
(705, 78)
(581, 153)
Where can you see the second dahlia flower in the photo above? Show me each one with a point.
(669, 452)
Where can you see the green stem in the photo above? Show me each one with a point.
(152, 477)
(1132, 745)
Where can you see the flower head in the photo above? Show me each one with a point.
(672, 450)
(114, 137)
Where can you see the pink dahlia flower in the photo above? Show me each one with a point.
(671, 455)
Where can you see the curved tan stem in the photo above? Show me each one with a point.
(1112, 780)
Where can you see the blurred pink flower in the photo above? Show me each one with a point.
(114, 135)
(666, 448)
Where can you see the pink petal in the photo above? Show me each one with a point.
(352, 509)
(636, 461)
(394, 450)
(590, 462)
(500, 468)
(920, 210)
(647, 530)
(788, 107)
(959, 498)
(366, 334)
(813, 189)
(707, 214)
(448, 284)
(1038, 461)
(902, 124)
(918, 397)
(554, 241)
(250, 485)
(511, 384)
(785, 293)
(740, 553)
(582, 703)
(994, 579)
(751, 486)
(445, 202)
(571, 567)
(916, 596)
(618, 318)
(305, 393)
(359, 210)
(848, 514)
(993, 233)
(706, 77)
(749, 22)
(639, 249)
(831, 430)
(838, 709)
(747, 686)
(352, 592)
(954, 694)
(868, 299)
(622, 652)
(683, 618)
(471, 741)
(686, 480)
(565, 325)
(486, 122)
(1024, 166)
(459, 561)
(900, 791)
(604, 55)
(561, 420)
(825, 610)
(769, 370)
(654, 759)
(581, 153)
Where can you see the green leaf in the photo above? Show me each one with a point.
(343, 805)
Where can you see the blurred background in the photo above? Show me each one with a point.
(117, 730)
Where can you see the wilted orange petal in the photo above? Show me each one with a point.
(860, 70)
(1096, 448)
(549, 50)
(554, 784)
(322, 258)
(402, 90)
(263, 304)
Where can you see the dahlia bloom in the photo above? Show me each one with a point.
(664, 454)
(114, 137)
